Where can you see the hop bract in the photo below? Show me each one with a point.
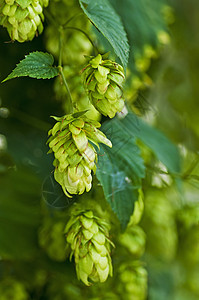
(22, 18)
(103, 81)
(88, 241)
(75, 156)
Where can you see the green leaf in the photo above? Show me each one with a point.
(36, 65)
(143, 20)
(120, 170)
(107, 21)
(161, 146)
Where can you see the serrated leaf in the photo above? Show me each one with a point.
(120, 170)
(143, 20)
(107, 21)
(161, 146)
(36, 65)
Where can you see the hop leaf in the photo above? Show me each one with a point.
(88, 241)
(75, 156)
(23, 19)
(103, 81)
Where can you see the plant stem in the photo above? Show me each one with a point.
(61, 69)
(82, 31)
(67, 88)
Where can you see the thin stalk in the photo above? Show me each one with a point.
(67, 88)
(82, 31)
(61, 69)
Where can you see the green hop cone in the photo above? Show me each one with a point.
(132, 281)
(75, 156)
(88, 241)
(103, 81)
(22, 18)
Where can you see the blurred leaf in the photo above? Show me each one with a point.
(104, 17)
(120, 170)
(19, 214)
(161, 146)
(143, 20)
(36, 65)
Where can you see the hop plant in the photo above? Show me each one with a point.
(74, 44)
(80, 99)
(23, 19)
(103, 81)
(87, 239)
(75, 156)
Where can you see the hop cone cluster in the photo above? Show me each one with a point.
(103, 81)
(22, 18)
(88, 240)
(75, 156)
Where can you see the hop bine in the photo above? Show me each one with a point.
(22, 18)
(103, 81)
(75, 156)
(87, 239)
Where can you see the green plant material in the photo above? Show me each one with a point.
(103, 81)
(120, 171)
(36, 65)
(106, 20)
(71, 141)
(161, 146)
(51, 239)
(133, 239)
(23, 19)
(76, 34)
(87, 239)
(132, 280)
(80, 99)
(159, 225)
(135, 15)
(10, 288)
(19, 214)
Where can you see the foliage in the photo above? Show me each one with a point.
(133, 206)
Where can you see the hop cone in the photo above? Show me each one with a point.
(103, 80)
(132, 281)
(75, 156)
(87, 238)
(22, 18)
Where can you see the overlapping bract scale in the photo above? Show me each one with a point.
(88, 241)
(103, 81)
(22, 18)
(72, 140)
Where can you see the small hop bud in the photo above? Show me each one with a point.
(88, 241)
(132, 280)
(23, 19)
(103, 81)
(75, 156)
